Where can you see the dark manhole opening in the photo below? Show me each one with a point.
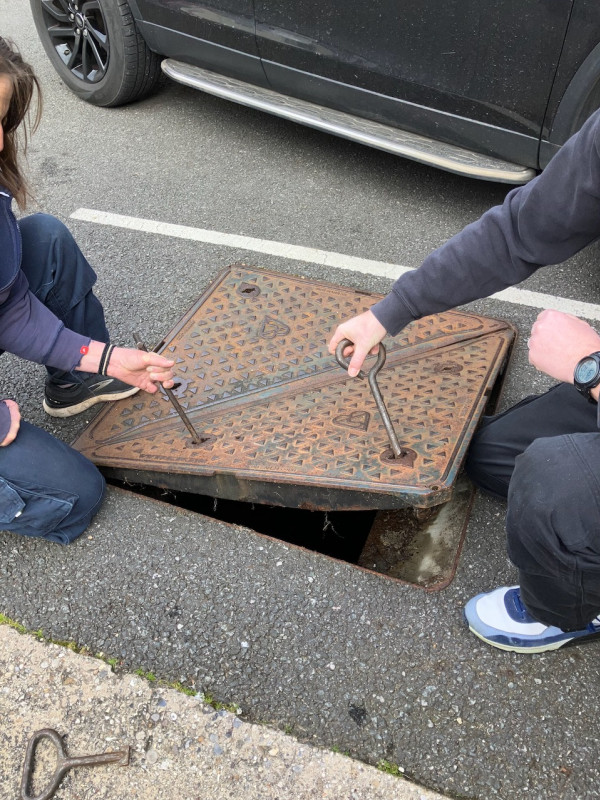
(339, 534)
(417, 546)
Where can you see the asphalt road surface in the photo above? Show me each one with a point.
(222, 171)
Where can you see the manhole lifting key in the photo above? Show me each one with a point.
(196, 439)
(372, 378)
(63, 763)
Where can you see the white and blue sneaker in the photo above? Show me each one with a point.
(501, 619)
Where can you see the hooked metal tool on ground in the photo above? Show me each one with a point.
(63, 763)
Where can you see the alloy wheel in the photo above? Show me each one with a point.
(78, 33)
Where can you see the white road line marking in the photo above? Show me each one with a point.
(311, 255)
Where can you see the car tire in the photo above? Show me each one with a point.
(97, 50)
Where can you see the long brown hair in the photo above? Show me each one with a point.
(16, 136)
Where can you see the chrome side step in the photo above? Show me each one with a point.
(374, 134)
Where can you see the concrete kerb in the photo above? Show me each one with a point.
(180, 746)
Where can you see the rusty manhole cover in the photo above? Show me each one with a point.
(284, 425)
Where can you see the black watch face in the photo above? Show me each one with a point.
(586, 370)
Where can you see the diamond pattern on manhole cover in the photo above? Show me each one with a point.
(285, 424)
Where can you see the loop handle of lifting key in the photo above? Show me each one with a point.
(345, 362)
(375, 390)
(63, 763)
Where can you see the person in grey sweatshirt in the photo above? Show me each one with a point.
(543, 455)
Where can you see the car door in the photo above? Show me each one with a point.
(439, 67)
(218, 35)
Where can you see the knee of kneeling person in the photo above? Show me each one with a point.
(551, 518)
(44, 226)
(484, 465)
(90, 496)
(547, 488)
(90, 490)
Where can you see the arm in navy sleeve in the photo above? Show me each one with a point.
(543, 222)
(30, 330)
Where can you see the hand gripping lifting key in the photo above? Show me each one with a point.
(196, 438)
(398, 451)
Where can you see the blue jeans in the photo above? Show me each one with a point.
(47, 489)
(61, 278)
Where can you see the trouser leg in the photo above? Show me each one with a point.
(47, 489)
(61, 278)
(553, 528)
(501, 438)
(541, 455)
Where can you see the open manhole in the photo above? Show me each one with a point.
(282, 425)
(417, 546)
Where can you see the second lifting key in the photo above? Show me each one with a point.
(196, 439)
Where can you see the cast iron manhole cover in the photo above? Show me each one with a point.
(283, 423)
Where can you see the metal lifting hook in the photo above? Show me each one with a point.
(196, 438)
(63, 763)
(372, 378)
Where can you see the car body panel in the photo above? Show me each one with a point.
(510, 80)
(577, 75)
(413, 117)
(215, 36)
(203, 53)
(487, 61)
(229, 23)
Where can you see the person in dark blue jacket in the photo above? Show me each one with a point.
(49, 315)
(543, 455)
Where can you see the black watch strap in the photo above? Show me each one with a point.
(586, 375)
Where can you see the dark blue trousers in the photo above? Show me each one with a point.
(543, 456)
(47, 489)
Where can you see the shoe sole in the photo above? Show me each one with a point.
(543, 648)
(516, 649)
(71, 411)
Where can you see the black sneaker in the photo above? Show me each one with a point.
(66, 401)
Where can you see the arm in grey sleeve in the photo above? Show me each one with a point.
(541, 223)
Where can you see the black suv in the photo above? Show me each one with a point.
(483, 88)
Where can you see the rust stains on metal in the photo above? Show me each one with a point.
(286, 425)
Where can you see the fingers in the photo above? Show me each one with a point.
(356, 350)
(337, 337)
(154, 360)
(364, 332)
(15, 423)
(356, 361)
(164, 377)
(159, 370)
(141, 368)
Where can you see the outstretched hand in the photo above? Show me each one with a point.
(365, 332)
(140, 368)
(558, 341)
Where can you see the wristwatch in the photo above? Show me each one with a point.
(587, 375)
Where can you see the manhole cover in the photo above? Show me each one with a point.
(284, 425)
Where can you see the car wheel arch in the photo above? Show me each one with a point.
(580, 99)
